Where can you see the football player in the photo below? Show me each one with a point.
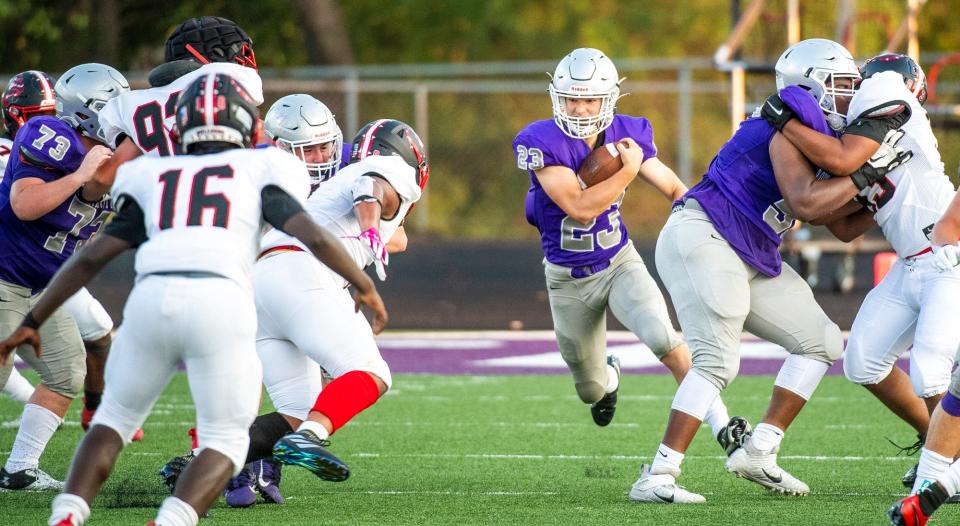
(140, 122)
(196, 221)
(718, 256)
(939, 473)
(27, 95)
(47, 210)
(590, 261)
(909, 305)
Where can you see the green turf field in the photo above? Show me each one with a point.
(521, 450)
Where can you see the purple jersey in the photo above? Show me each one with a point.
(566, 241)
(31, 251)
(739, 192)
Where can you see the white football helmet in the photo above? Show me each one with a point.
(83, 91)
(816, 64)
(297, 121)
(585, 73)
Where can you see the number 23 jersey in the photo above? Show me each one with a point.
(48, 149)
(202, 213)
(565, 241)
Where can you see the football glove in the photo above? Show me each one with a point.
(946, 257)
(776, 112)
(886, 159)
(371, 239)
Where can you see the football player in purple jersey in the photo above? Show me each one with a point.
(46, 212)
(718, 257)
(590, 261)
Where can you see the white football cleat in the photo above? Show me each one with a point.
(762, 468)
(31, 479)
(662, 488)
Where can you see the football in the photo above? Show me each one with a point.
(600, 165)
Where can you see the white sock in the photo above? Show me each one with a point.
(613, 379)
(666, 460)
(175, 512)
(932, 466)
(950, 479)
(766, 437)
(717, 416)
(319, 430)
(695, 396)
(66, 505)
(18, 387)
(37, 426)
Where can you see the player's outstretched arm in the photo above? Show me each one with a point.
(374, 199)
(76, 273)
(840, 156)
(807, 197)
(661, 177)
(561, 185)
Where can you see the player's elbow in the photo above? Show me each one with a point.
(804, 209)
(23, 209)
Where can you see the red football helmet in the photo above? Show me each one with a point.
(27, 94)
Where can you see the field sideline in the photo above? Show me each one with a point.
(520, 448)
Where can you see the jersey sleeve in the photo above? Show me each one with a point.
(806, 108)
(642, 131)
(48, 147)
(128, 224)
(112, 122)
(881, 95)
(401, 176)
(288, 173)
(534, 151)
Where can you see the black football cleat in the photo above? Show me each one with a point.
(603, 410)
(732, 436)
(171, 471)
(305, 449)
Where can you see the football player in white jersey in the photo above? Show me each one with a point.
(941, 474)
(315, 323)
(196, 220)
(140, 122)
(911, 305)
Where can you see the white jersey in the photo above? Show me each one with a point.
(147, 115)
(331, 205)
(203, 213)
(914, 196)
(5, 146)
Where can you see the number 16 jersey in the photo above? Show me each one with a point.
(565, 241)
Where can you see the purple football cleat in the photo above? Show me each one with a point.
(258, 476)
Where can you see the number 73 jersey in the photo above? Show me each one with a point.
(565, 241)
(31, 252)
(202, 213)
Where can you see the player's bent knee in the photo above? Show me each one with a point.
(231, 441)
(590, 392)
(830, 348)
(119, 419)
(928, 385)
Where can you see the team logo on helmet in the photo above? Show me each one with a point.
(27, 94)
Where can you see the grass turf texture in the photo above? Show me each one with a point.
(520, 450)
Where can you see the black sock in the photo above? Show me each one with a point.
(264, 433)
(931, 497)
(91, 400)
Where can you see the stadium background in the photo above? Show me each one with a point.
(468, 75)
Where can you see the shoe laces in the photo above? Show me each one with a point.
(910, 450)
(245, 478)
(323, 442)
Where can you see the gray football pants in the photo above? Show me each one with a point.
(579, 308)
(717, 295)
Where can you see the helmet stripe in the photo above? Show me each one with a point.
(368, 137)
(208, 99)
(47, 88)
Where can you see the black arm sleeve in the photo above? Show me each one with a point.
(278, 206)
(876, 128)
(128, 223)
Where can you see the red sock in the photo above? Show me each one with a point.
(345, 397)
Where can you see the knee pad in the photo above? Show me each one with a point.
(590, 392)
(118, 418)
(832, 342)
(862, 371)
(381, 370)
(928, 381)
(71, 386)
